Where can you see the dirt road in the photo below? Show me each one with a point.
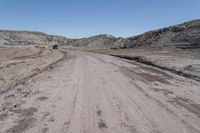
(93, 93)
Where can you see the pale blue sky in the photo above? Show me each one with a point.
(83, 18)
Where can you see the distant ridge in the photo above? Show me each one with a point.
(185, 35)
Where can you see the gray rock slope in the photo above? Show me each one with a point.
(186, 35)
(27, 38)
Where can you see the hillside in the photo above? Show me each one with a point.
(27, 38)
(102, 40)
(186, 35)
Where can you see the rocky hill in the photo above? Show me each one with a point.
(186, 35)
(102, 40)
(27, 38)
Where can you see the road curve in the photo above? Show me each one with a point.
(93, 93)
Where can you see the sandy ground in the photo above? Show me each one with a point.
(94, 93)
(185, 61)
(19, 63)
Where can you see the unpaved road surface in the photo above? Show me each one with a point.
(93, 93)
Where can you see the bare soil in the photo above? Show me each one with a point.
(92, 93)
(182, 62)
(17, 64)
